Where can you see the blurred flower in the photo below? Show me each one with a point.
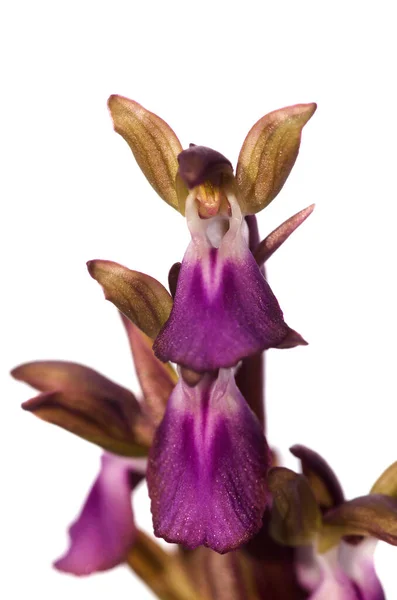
(105, 530)
(334, 538)
(346, 572)
(91, 406)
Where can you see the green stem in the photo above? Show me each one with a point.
(162, 572)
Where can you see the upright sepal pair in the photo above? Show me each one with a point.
(266, 158)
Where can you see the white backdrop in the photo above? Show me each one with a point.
(72, 192)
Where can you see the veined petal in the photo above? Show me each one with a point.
(87, 404)
(224, 309)
(141, 298)
(153, 143)
(207, 467)
(374, 515)
(268, 154)
(295, 517)
(105, 529)
(387, 482)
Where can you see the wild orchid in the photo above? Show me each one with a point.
(255, 529)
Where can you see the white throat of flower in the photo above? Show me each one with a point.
(219, 230)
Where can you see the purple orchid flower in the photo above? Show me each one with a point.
(220, 289)
(346, 572)
(91, 406)
(105, 530)
(334, 539)
(207, 466)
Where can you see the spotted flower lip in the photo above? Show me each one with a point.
(222, 296)
(207, 467)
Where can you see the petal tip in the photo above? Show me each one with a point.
(292, 340)
(310, 108)
(16, 373)
(91, 264)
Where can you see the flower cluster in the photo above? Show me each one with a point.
(196, 434)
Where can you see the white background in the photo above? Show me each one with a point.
(72, 192)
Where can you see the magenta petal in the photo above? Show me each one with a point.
(207, 467)
(346, 572)
(324, 577)
(105, 529)
(224, 309)
(358, 562)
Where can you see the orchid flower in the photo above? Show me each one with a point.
(335, 539)
(220, 287)
(91, 406)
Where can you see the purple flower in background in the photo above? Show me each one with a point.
(334, 538)
(346, 572)
(105, 530)
(91, 406)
